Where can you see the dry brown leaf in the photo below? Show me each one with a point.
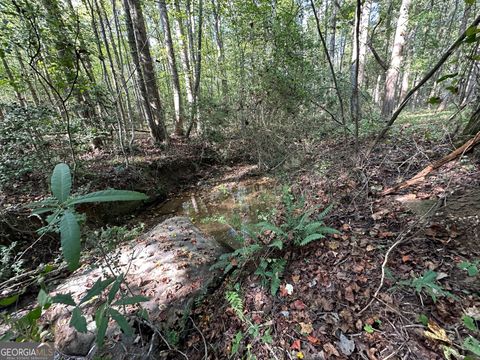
(330, 349)
(306, 328)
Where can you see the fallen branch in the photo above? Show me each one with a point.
(470, 144)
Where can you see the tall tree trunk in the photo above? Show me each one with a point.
(396, 59)
(194, 116)
(220, 51)
(333, 32)
(140, 48)
(177, 96)
(363, 40)
(182, 40)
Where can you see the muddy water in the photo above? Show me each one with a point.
(222, 210)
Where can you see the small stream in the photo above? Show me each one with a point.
(221, 210)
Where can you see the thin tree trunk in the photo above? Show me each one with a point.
(27, 77)
(194, 116)
(332, 71)
(140, 48)
(396, 59)
(12, 81)
(220, 51)
(184, 53)
(177, 96)
(363, 40)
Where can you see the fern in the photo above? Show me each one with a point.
(236, 303)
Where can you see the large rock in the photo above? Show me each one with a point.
(169, 264)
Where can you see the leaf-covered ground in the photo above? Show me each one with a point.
(325, 308)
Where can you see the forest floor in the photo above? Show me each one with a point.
(323, 309)
(428, 232)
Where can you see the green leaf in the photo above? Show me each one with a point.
(9, 300)
(121, 321)
(267, 226)
(445, 77)
(97, 289)
(434, 100)
(43, 298)
(472, 344)
(469, 2)
(34, 315)
(472, 30)
(469, 323)
(311, 238)
(61, 182)
(368, 328)
(143, 313)
(115, 287)
(78, 321)
(278, 243)
(131, 300)
(108, 195)
(43, 210)
(63, 299)
(101, 321)
(70, 239)
(423, 319)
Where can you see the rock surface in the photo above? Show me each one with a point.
(169, 264)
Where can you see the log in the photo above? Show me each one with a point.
(467, 146)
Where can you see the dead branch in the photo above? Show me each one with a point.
(470, 144)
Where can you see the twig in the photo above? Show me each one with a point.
(401, 237)
(203, 337)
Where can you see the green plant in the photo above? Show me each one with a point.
(271, 270)
(253, 330)
(9, 267)
(470, 267)
(299, 224)
(427, 283)
(64, 218)
(109, 309)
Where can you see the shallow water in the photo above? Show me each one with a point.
(222, 210)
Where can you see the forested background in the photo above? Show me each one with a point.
(293, 178)
(271, 73)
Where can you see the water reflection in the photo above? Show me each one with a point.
(222, 211)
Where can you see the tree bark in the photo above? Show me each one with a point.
(396, 59)
(363, 40)
(220, 51)
(140, 49)
(177, 96)
(184, 53)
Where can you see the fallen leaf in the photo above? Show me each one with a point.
(298, 305)
(330, 349)
(295, 279)
(435, 332)
(349, 294)
(346, 345)
(313, 340)
(300, 355)
(296, 345)
(406, 258)
(306, 328)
